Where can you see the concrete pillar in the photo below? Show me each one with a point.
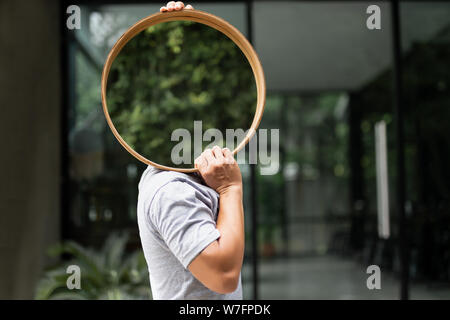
(29, 141)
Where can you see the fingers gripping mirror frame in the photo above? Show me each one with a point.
(214, 22)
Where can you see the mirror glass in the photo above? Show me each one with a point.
(173, 82)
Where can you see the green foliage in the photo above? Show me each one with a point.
(172, 74)
(107, 274)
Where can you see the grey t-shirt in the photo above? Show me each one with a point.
(177, 220)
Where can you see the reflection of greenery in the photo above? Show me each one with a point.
(172, 74)
(107, 274)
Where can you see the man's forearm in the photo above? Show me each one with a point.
(230, 223)
(219, 265)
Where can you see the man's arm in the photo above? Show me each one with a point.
(218, 266)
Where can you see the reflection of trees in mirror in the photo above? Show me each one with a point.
(106, 274)
(172, 74)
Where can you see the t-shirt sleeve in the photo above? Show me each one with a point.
(184, 220)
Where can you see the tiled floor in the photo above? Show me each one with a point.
(327, 277)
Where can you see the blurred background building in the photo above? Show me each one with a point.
(315, 226)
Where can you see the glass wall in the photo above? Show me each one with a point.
(324, 236)
(426, 84)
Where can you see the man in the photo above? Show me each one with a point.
(192, 232)
(192, 225)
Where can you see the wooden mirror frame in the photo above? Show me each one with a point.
(210, 20)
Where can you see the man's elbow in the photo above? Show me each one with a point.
(228, 282)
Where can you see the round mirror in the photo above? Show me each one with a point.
(178, 82)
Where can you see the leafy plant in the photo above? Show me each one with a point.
(172, 74)
(107, 274)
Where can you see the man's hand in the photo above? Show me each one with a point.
(219, 169)
(175, 6)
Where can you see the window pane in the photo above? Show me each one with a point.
(425, 31)
(329, 82)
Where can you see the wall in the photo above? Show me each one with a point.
(29, 141)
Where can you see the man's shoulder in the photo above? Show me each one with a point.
(154, 185)
(171, 186)
(154, 181)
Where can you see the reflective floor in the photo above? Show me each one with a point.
(327, 277)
